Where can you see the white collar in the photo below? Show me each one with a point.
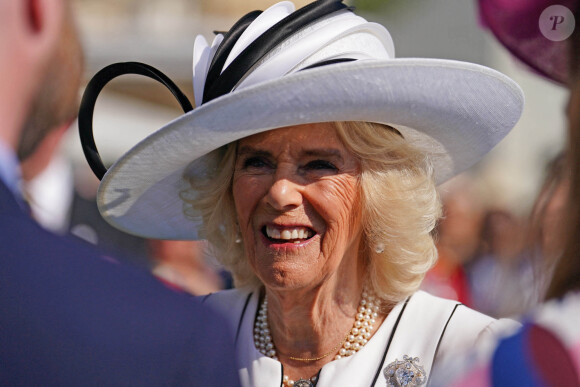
(51, 194)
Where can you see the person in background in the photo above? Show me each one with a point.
(510, 274)
(547, 234)
(185, 264)
(458, 237)
(502, 273)
(546, 350)
(62, 200)
(69, 316)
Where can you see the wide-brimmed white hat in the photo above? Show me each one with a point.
(283, 67)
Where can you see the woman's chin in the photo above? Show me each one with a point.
(286, 256)
(286, 276)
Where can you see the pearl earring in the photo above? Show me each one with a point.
(379, 248)
(238, 239)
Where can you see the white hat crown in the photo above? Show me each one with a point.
(336, 36)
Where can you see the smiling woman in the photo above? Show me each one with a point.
(297, 180)
(311, 165)
(383, 185)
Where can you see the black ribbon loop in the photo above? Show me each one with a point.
(225, 47)
(222, 82)
(96, 85)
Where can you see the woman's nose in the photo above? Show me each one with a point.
(284, 194)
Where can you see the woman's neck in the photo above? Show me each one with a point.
(309, 327)
(310, 322)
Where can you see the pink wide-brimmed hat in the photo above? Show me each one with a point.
(518, 24)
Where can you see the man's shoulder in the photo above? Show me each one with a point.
(62, 290)
(230, 303)
(61, 269)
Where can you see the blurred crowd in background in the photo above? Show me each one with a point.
(496, 242)
(492, 259)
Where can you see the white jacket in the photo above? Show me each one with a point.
(424, 326)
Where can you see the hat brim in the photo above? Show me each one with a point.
(454, 111)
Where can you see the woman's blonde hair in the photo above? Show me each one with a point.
(400, 208)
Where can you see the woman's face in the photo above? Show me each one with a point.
(296, 197)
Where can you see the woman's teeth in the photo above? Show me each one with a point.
(296, 233)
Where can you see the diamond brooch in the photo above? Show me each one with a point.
(303, 383)
(405, 373)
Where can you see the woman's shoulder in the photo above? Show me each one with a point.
(464, 327)
(543, 351)
(461, 314)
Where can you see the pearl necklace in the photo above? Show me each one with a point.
(356, 338)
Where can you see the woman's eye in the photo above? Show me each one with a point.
(320, 165)
(255, 162)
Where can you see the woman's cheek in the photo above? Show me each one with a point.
(339, 201)
(337, 204)
(245, 191)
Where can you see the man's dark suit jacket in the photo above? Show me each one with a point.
(69, 317)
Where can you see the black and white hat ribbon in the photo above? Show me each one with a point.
(279, 41)
(261, 46)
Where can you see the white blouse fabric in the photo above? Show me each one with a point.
(427, 327)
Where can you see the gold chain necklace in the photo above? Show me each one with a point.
(333, 350)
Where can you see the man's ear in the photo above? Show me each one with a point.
(42, 22)
(29, 34)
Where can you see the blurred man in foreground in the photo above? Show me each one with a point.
(70, 317)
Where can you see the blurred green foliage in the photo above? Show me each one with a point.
(376, 5)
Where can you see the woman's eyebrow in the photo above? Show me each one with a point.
(248, 150)
(324, 152)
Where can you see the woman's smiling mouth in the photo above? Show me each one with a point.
(293, 234)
